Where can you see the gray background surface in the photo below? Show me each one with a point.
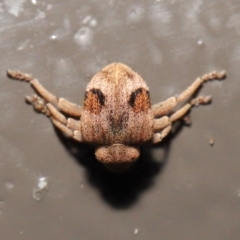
(184, 189)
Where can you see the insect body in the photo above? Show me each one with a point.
(117, 116)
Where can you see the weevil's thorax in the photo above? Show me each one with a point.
(117, 108)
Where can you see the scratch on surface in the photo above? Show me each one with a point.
(19, 24)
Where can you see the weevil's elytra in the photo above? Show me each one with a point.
(117, 116)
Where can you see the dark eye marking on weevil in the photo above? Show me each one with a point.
(94, 100)
(139, 100)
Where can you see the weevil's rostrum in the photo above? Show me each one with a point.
(117, 116)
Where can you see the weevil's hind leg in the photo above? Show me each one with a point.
(165, 107)
(164, 124)
(62, 104)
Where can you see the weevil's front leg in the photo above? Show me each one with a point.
(62, 104)
(165, 107)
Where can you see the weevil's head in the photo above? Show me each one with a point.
(117, 157)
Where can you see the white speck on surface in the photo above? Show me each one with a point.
(49, 7)
(136, 231)
(34, 2)
(200, 42)
(22, 45)
(42, 186)
(211, 141)
(42, 183)
(14, 6)
(84, 36)
(53, 37)
(135, 13)
(40, 15)
(86, 19)
(9, 185)
(238, 193)
(37, 195)
(93, 22)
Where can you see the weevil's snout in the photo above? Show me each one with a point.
(117, 157)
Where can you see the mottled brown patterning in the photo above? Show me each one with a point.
(119, 121)
(117, 116)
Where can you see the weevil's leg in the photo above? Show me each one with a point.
(75, 134)
(38, 103)
(65, 106)
(183, 110)
(160, 123)
(164, 124)
(165, 107)
(158, 137)
(68, 126)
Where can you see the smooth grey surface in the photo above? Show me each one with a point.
(184, 190)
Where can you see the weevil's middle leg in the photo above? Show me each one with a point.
(62, 104)
(167, 106)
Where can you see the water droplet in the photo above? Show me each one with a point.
(84, 36)
(34, 2)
